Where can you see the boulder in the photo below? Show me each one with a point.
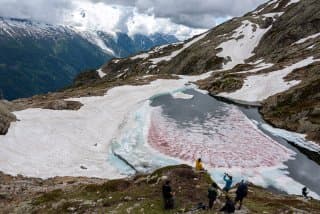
(6, 117)
(63, 105)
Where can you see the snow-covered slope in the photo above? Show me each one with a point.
(250, 58)
(38, 58)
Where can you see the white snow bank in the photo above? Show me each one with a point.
(181, 95)
(242, 43)
(101, 73)
(177, 52)
(273, 15)
(292, 2)
(47, 143)
(298, 139)
(259, 67)
(140, 56)
(307, 38)
(259, 87)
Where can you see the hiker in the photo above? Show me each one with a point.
(228, 179)
(212, 194)
(305, 192)
(167, 195)
(241, 193)
(229, 206)
(199, 165)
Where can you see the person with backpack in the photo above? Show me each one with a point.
(228, 179)
(241, 193)
(212, 194)
(167, 196)
(229, 206)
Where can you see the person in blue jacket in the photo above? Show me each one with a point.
(228, 179)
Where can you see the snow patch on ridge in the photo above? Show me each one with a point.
(307, 38)
(292, 2)
(259, 87)
(259, 67)
(177, 52)
(241, 44)
(101, 73)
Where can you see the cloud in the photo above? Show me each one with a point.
(49, 11)
(182, 18)
(192, 13)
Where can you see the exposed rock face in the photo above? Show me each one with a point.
(297, 110)
(6, 117)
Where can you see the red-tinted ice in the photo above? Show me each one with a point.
(231, 140)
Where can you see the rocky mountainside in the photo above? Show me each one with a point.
(139, 194)
(269, 57)
(37, 58)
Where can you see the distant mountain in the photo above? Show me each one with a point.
(37, 58)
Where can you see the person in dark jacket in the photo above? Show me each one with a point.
(241, 193)
(212, 194)
(305, 192)
(229, 206)
(167, 195)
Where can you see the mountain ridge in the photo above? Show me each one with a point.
(38, 57)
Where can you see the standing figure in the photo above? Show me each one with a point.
(212, 194)
(228, 179)
(167, 196)
(305, 192)
(241, 193)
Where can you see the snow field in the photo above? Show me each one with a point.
(177, 52)
(259, 87)
(241, 44)
(47, 143)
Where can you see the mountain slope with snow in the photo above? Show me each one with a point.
(117, 132)
(37, 58)
(259, 56)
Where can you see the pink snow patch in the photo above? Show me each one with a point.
(225, 141)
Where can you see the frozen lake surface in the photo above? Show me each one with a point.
(172, 129)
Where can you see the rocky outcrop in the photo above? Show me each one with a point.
(63, 105)
(6, 117)
(297, 109)
(138, 194)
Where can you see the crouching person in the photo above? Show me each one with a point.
(167, 196)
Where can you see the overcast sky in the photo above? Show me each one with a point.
(180, 17)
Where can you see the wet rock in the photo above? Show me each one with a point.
(83, 167)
